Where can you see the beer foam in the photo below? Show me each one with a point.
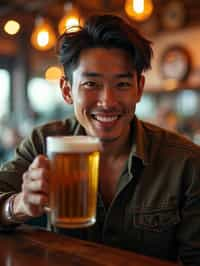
(72, 144)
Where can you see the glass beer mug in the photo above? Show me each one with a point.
(73, 182)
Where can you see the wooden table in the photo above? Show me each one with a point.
(28, 246)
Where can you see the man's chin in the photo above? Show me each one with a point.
(104, 136)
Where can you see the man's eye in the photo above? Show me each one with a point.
(89, 84)
(124, 85)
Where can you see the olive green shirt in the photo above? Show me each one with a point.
(156, 208)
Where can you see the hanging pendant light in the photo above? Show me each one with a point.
(139, 10)
(71, 20)
(43, 36)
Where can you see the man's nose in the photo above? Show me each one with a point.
(108, 97)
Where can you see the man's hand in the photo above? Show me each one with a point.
(34, 195)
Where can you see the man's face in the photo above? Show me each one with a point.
(104, 92)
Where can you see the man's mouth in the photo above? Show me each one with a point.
(106, 119)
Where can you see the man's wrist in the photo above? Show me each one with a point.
(8, 212)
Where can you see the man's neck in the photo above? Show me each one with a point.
(115, 148)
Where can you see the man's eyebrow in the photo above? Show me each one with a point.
(91, 74)
(95, 74)
(124, 75)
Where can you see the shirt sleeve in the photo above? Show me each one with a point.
(189, 230)
(11, 172)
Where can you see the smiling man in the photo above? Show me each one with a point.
(149, 178)
(104, 94)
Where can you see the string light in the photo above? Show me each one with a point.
(53, 73)
(43, 36)
(11, 27)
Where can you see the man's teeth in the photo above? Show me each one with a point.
(106, 119)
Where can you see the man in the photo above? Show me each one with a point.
(149, 189)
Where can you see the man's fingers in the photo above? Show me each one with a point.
(37, 173)
(35, 187)
(38, 185)
(36, 199)
(30, 204)
(41, 161)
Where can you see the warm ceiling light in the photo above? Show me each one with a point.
(53, 73)
(43, 36)
(12, 27)
(139, 10)
(70, 21)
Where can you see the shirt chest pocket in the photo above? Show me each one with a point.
(156, 221)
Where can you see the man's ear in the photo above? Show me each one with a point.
(66, 90)
(141, 83)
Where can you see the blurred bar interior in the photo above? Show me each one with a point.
(29, 70)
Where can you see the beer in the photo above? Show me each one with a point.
(73, 180)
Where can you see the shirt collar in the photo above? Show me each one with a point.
(79, 130)
(140, 142)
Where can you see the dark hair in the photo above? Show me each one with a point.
(105, 31)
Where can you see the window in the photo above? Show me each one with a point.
(45, 98)
(5, 92)
(187, 103)
(146, 108)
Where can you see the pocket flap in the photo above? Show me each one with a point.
(156, 220)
